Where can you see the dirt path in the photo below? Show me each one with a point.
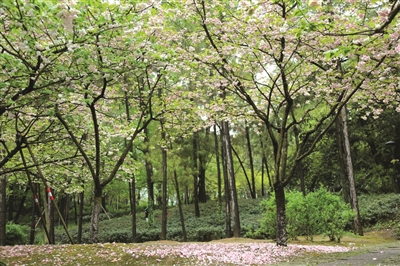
(387, 255)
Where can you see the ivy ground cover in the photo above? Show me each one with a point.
(160, 253)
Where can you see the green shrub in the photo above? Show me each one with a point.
(319, 212)
(330, 213)
(379, 208)
(17, 234)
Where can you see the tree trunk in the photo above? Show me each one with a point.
(80, 219)
(253, 182)
(164, 193)
(195, 175)
(344, 150)
(21, 205)
(232, 181)
(244, 172)
(182, 218)
(281, 235)
(263, 161)
(186, 195)
(95, 219)
(49, 216)
(11, 200)
(33, 223)
(228, 228)
(3, 205)
(133, 207)
(217, 159)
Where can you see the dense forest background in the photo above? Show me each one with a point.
(136, 107)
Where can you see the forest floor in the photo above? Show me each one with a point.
(374, 248)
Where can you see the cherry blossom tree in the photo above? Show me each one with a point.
(281, 55)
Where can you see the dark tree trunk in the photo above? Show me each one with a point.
(95, 218)
(33, 223)
(249, 150)
(217, 158)
(164, 192)
(50, 218)
(195, 175)
(132, 193)
(232, 182)
(228, 227)
(182, 218)
(202, 169)
(345, 157)
(244, 172)
(3, 205)
(281, 235)
(21, 205)
(186, 195)
(80, 219)
(10, 205)
(64, 207)
(263, 161)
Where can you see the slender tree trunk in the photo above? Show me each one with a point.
(182, 218)
(186, 195)
(253, 181)
(262, 177)
(149, 179)
(217, 158)
(195, 175)
(281, 235)
(95, 218)
(50, 218)
(80, 219)
(202, 169)
(342, 159)
(347, 167)
(11, 200)
(21, 205)
(228, 227)
(164, 192)
(244, 172)
(3, 205)
(232, 181)
(33, 223)
(133, 207)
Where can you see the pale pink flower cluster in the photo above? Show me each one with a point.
(255, 253)
(237, 254)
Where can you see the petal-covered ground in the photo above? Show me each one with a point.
(257, 253)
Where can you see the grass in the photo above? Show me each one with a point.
(168, 252)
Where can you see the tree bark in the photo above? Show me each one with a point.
(132, 193)
(217, 159)
(232, 181)
(3, 205)
(228, 228)
(95, 218)
(164, 192)
(344, 149)
(50, 217)
(80, 219)
(195, 174)
(182, 218)
(253, 182)
(281, 234)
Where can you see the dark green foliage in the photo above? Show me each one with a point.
(320, 212)
(17, 234)
(379, 208)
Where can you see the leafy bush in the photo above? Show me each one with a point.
(318, 212)
(379, 208)
(16, 234)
